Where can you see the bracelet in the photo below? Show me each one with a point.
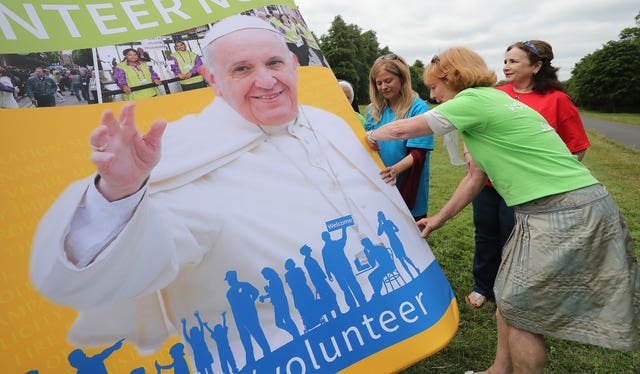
(370, 137)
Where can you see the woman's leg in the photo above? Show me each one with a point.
(528, 353)
(502, 362)
(518, 351)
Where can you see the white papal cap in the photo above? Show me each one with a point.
(234, 23)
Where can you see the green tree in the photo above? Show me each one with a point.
(609, 78)
(417, 69)
(350, 53)
(370, 50)
(82, 57)
(32, 60)
(339, 48)
(631, 33)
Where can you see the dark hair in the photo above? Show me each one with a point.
(284, 15)
(547, 77)
(124, 53)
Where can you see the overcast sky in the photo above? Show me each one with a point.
(418, 29)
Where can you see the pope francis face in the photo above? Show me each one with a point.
(255, 73)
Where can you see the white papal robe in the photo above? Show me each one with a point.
(226, 195)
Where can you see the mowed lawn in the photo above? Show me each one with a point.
(473, 347)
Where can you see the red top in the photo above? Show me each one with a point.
(558, 109)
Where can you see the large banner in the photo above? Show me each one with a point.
(263, 241)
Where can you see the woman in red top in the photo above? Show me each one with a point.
(532, 80)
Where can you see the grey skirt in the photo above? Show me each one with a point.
(569, 270)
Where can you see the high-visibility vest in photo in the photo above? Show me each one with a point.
(291, 35)
(138, 76)
(308, 36)
(186, 62)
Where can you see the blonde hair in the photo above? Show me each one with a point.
(459, 68)
(397, 66)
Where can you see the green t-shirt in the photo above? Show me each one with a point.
(522, 155)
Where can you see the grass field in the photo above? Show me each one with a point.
(473, 347)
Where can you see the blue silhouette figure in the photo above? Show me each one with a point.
(389, 228)
(380, 258)
(179, 364)
(92, 364)
(274, 292)
(242, 298)
(201, 354)
(139, 370)
(303, 298)
(324, 292)
(220, 334)
(338, 266)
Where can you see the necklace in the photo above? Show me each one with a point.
(523, 91)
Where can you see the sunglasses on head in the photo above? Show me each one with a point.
(435, 59)
(390, 56)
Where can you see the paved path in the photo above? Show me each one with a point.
(627, 135)
(68, 99)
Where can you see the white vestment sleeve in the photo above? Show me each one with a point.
(140, 260)
(96, 223)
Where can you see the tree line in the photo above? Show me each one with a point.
(351, 52)
(607, 79)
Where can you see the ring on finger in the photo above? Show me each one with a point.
(392, 173)
(99, 148)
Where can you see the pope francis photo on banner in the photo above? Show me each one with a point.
(173, 233)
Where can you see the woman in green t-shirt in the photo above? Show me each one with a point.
(569, 268)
